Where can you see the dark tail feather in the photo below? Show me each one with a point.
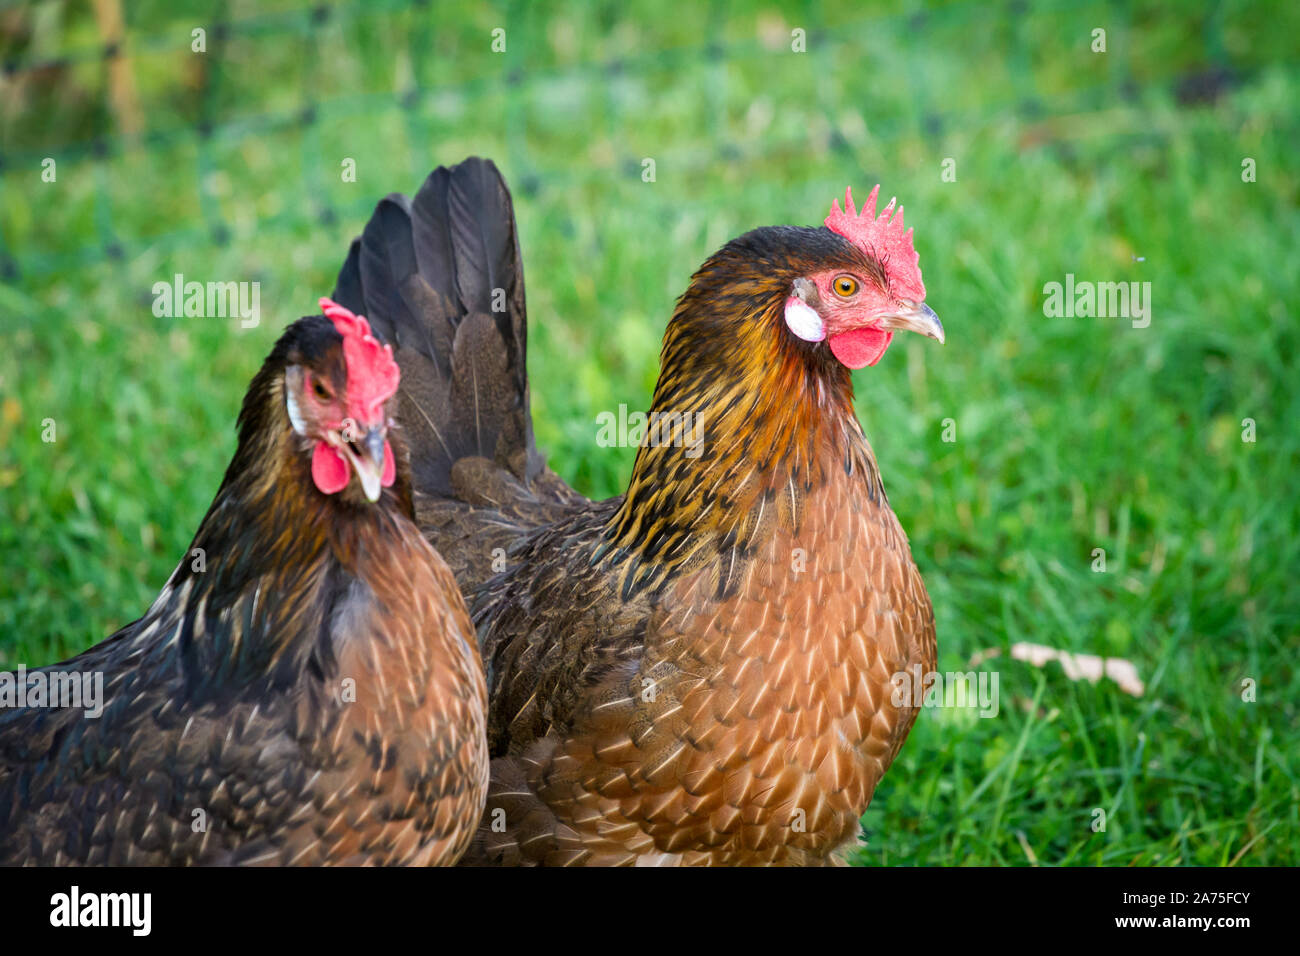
(440, 279)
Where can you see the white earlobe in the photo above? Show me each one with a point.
(292, 382)
(803, 320)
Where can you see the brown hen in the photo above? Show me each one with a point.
(305, 689)
(700, 671)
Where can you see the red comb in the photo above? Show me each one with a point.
(883, 239)
(372, 374)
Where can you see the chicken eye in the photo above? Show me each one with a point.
(321, 391)
(845, 286)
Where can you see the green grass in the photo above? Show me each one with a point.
(1072, 434)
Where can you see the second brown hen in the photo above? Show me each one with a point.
(304, 690)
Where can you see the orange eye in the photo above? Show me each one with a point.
(845, 286)
(321, 391)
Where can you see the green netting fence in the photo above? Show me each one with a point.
(198, 101)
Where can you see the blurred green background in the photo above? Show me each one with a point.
(1072, 434)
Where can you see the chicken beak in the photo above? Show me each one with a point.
(916, 317)
(369, 464)
(374, 448)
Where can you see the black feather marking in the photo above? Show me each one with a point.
(433, 250)
(387, 257)
(429, 272)
(347, 289)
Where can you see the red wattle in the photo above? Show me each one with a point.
(859, 348)
(329, 470)
(390, 467)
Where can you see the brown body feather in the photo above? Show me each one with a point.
(697, 672)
